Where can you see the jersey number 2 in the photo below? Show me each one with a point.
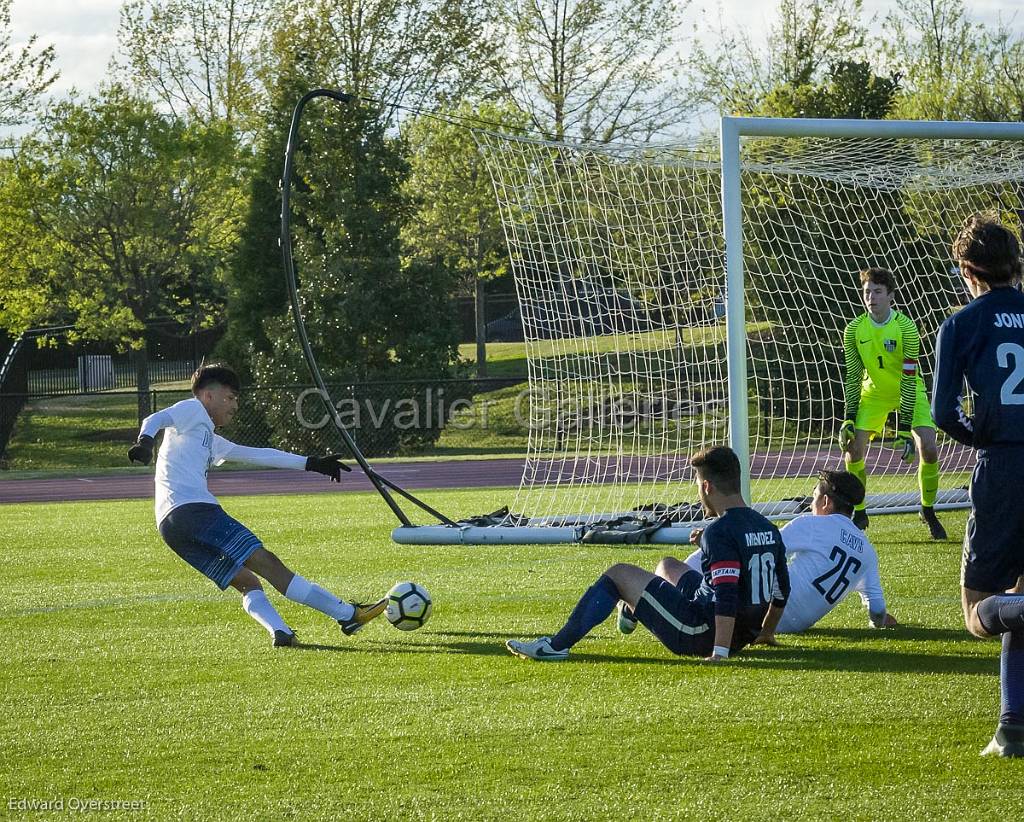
(837, 577)
(1008, 393)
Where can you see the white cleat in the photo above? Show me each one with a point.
(539, 649)
(1008, 741)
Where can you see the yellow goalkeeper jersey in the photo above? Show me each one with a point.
(882, 360)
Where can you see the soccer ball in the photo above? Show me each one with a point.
(409, 606)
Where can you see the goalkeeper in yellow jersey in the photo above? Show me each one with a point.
(882, 347)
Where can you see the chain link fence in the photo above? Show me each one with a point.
(403, 418)
(396, 418)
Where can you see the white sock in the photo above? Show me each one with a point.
(303, 591)
(259, 608)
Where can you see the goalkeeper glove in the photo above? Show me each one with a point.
(847, 434)
(142, 451)
(330, 466)
(905, 442)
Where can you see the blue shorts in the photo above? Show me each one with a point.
(213, 543)
(994, 543)
(683, 624)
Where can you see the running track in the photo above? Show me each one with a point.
(414, 476)
(409, 475)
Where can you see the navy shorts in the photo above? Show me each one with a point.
(994, 542)
(683, 624)
(213, 543)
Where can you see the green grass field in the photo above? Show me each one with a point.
(128, 677)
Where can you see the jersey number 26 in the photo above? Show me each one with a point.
(834, 582)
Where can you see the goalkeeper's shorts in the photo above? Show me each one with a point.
(875, 410)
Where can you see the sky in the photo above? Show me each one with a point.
(84, 32)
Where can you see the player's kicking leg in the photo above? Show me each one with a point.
(620, 582)
(350, 616)
(928, 478)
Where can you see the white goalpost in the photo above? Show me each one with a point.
(677, 297)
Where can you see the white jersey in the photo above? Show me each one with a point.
(828, 557)
(188, 450)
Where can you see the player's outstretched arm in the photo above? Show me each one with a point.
(869, 588)
(329, 465)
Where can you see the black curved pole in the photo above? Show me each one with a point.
(380, 483)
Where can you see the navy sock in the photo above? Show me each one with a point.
(1002, 613)
(594, 607)
(1011, 678)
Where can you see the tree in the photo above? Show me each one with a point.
(456, 220)
(25, 74)
(199, 58)
(954, 67)
(126, 215)
(806, 40)
(598, 70)
(255, 280)
(373, 314)
(851, 90)
(394, 51)
(412, 53)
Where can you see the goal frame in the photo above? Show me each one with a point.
(731, 134)
(732, 130)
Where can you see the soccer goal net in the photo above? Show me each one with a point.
(655, 326)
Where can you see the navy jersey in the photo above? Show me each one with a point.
(743, 560)
(984, 344)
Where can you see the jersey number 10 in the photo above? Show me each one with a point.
(762, 577)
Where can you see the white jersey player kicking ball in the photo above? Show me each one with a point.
(828, 557)
(197, 529)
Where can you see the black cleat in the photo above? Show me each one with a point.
(860, 519)
(934, 526)
(364, 613)
(1008, 741)
(284, 639)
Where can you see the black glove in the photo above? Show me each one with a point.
(142, 451)
(330, 466)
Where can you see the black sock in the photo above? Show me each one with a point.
(1011, 678)
(594, 607)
